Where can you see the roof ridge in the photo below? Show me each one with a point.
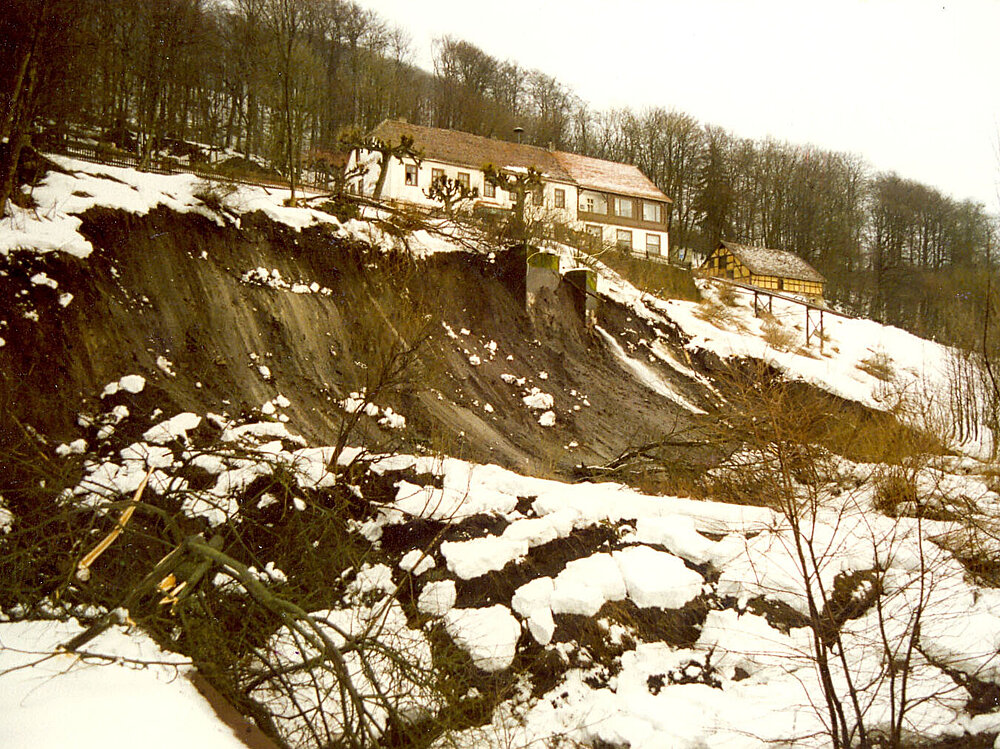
(491, 138)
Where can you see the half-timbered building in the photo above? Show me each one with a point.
(772, 270)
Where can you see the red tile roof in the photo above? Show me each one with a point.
(475, 151)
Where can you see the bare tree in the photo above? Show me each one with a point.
(41, 37)
(287, 22)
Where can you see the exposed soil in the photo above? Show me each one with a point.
(170, 285)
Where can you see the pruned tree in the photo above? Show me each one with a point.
(354, 141)
(451, 193)
(518, 183)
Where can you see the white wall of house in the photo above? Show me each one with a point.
(549, 209)
(398, 187)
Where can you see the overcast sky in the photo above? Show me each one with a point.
(912, 86)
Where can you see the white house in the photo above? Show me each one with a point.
(612, 201)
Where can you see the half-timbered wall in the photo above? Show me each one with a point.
(723, 264)
(793, 285)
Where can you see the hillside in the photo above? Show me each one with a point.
(359, 488)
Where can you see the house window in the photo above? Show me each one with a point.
(652, 212)
(489, 190)
(463, 179)
(592, 202)
(624, 240)
(653, 244)
(560, 198)
(436, 175)
(411, 175)
(595, 231)
(623, 207)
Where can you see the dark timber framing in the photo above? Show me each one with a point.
(774, 270)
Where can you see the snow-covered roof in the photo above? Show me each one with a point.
(609, 176)
(781, 263)
(475, 151)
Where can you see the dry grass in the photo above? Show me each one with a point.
(652, 277)
(718, 314)
(726, 295)
(779, 336)
(879, 365)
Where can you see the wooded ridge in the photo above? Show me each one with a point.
(279, 81)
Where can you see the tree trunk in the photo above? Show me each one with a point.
(9, 116)
(383, 172)
(17, 138)
(17, 120)
(8, 178)
(520, 194)
(289, 139)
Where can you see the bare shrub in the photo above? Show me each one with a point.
(879, 365)
(264, 602)
(343, 206)
(776, 459)
(779, 336)
(213, 194)
(895, 492)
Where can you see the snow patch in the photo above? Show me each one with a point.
(128, 384)
(488, 635)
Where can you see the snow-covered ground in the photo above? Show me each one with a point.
(879, 366)
(52, 225)
(746, 678)
(122, 690)
(743, 681)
